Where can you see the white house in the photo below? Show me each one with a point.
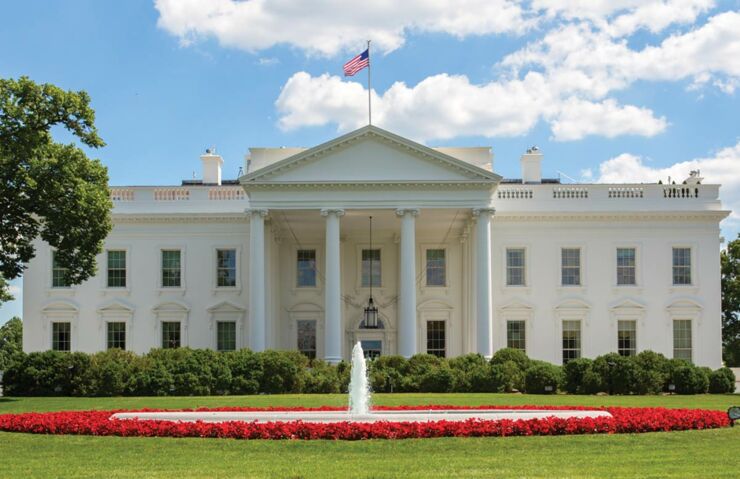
(462, 260)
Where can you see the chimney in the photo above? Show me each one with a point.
(211, 167)
(532, 166)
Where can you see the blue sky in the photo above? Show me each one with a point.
(610, 91)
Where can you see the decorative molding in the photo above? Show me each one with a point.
(371, 185)
(339, 212)
(485, 210)
(263, 212)
(404, 211)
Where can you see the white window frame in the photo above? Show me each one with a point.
(129, 265)
(637, 333)
(573, 310)
(319, 263)
(638, 265)
(214, 269)
(183, 269)
(628, 310)
(582, 269)
(383, 267)
(437, 318)
(580, 339)
(423, 263)
(526, 332)
(505, 262)
(227, 311)
(116, 311)
(60, 311)
(694, 271)
(692, 325)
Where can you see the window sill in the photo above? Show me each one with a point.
(687, 288)
(116, 291)
(227, 290)
(571, 289)
(625, 288)
(178, 291)
(61, 291)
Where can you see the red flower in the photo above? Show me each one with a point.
(623, 420)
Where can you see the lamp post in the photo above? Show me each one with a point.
(371, 311)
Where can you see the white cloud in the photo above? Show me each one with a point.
(445, 106)
(327, 27)
(624, 17)
(579, 118)
(722, 168)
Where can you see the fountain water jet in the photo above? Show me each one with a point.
(359, 388)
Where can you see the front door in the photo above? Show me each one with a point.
(371, 347)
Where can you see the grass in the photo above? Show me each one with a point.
(679, 454)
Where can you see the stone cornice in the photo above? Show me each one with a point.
(365, 185)
(513, 216)
(180, 218)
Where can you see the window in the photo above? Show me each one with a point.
(306, 268)
(515, 335)
(374, 255)
(515, 267)
(626, 267)
(226, 336)
(436, 338)
(116, 269)
(570, 266)
(58, 274)
(436, 267)
(571, 340)
(307, 337)
(226, 268)
(682, 339)
(61, 336)
(170, 334)
(681, 266)
(627, 338)
(372, 348)
(171, 272)
(117, 335)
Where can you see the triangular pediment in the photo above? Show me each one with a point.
(370, 155)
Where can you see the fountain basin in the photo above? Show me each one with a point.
(341, 416)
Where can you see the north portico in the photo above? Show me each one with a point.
(420, 199)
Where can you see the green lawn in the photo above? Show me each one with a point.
(680, 454)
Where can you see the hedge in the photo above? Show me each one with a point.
(187, 372)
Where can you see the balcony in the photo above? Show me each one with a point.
(178, 199)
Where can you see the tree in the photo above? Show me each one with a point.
(11, 341)
(49, 190)
(730, 261)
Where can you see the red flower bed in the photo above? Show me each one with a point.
(623, 420)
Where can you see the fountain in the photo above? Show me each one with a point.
(359, 389)
(359, 409)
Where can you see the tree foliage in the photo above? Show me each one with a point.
(49, 190)
(11, 342)
(730, 261)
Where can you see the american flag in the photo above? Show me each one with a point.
(357, 63)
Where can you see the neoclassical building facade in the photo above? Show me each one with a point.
(461, 260)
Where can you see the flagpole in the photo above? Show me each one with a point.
(369, 88)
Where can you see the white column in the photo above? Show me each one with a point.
(483, 292)
(332, 288)
(407, 345)
(257, 317)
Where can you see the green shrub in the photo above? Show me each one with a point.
(722, 381)
(509, 375)
(510, 354)
(651, 372)
(322, 378)
(386, 373)
(111, 372)
(468, 371)
(593, 383)
(486, 379)
(689, 379)
(440, 379)
(246, 371)
(573, 375)
(283, 372)
(542, 378)
(617, 373)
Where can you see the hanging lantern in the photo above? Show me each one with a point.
(371, 311)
